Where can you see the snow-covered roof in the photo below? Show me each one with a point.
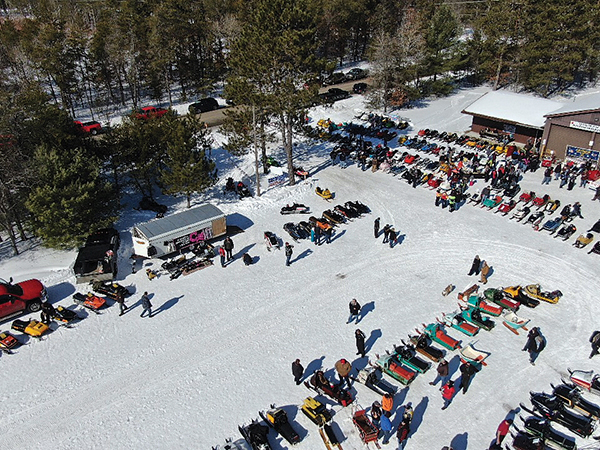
(178, 221)
(519, 109)
(579, 104)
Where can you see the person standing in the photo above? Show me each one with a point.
(386, 232)
(534, 345)
(387, 404)
(360, 342)
(228, 244)
(376, 413)
(376, 228)
(501, 432)
(547, 176)
(386, 429)
(402, 434)
(467, 370)
(288, 253)
(297, 371)
(343, 368)
(146, 305)
(485, 270)
(408, 413)
(327, 233)
(121, 301)
(354, 307)
(392, 237)
(442, 373)
(475, 266)
(222, 255)
(48, 312)
(317, 235)
(595, 341)
(448, 391)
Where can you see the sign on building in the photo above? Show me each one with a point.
(585, 126)
(582, 153)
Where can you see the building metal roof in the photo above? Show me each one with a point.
(510, 107)
(578, 105)
(182, 220)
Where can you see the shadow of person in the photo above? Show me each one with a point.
(419, 412)
(400, 239)
(375, 334)
(336, 236)
(166, 305)
(366, 309)
(240, 253)
(453, 365)
(312, 367)
(302, 255)
(460, 441)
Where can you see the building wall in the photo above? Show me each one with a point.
(558, 134)
(520, 134)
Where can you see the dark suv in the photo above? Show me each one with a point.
(24, 296)
(203, 105)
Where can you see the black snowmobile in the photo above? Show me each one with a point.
(571, 396)
(295, 208)
(293, 231)
(110, 289)
(566, 232)
(405, 354)
(65, 316)
(242, 190)
(349, 213)
(542, 428)
(278, 420)
(549, 407)
(372, 377)
(524, 441)
(422, 344)
(360, 207)
(256, 435)
(334, 217)
(336, 392)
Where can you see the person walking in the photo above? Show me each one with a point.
(376, 227)
(288, 253)
(343, 368)
(228, 244)
(467, 370)
(442, 373)
(448, 391)
(475, 266)
(386, 232)
(354, 307)
(595, 341)
(547, 176)
(146, 305)
(387, 430)
(534, 345)
(501, 432)
(360, 343)
(48, 312)
(121, 301)
(297, 371)
(222, 255)
(485, 270)
(387, 404)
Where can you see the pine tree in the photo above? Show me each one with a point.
(441, 36)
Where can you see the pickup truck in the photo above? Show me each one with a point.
(97, 259)
(149, 111)
(92, 127)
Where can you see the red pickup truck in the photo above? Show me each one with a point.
(92, 127)
(149, 111)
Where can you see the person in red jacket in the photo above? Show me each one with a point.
(448, 391)
(502, 431)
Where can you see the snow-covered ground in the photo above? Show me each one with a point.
(221, 344)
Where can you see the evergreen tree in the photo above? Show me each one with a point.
(441, 36)
(71, 198)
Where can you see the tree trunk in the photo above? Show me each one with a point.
(13, 239)
(263, 148)
(498, 70)
(288, 145)
(189, 200)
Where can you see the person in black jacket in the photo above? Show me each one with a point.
(467, 370)
(228, 246)
(475, 266)
(376, 228)
(48, 312)
(360, 342)
(297, 371)
(354, 311)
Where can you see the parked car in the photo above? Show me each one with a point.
(333, 95)
(92, 127)
(356, 74)
(203, 105)
(334, 78)
(359, 88)
(149, 111)
(26, 296)
(104, 236)
(97, 259)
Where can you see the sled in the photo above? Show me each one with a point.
(195, 265)
(277, 419)
(491, 202)
(586, 380)
(324, 193)
(33, 328)
(448, 290)
(534, 291)
(367, 431)
(458, 322)
(256, 434)
(405, 355)
(392, 368)
(271, 241)
(372, 377)
(315, 411)
(89, 301)
(513, 322)
(476, 357)
(422, 344)
(475, 301)
(473, 315)
(437, 334)
(497, 296)
(468, 292)
(8, 342)
(296, 208)
(571, 396)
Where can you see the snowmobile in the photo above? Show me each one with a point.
(89, 301)
(526, 197)
(497, 296)
(566, 231)
(595, 248)
(65, 316)
(336, 392)
(322, 224)
(491, 202)
(301, 172)
(8, 342)
(305, 227)
(476, 357)
(394, 369)
(521, 213)
(194, 265)
(585, 380)
(571, 396)
(516, 293)
(422, 344)
(175, 266)
(324, 193)
(256, 435)
(406, 355)
(475, 301)
(534, 291)
(293, 231)
(295, 208)
(278, 420)
(355, 211)
(230, 185)
(540, 202)
(524, 441)
(360, 207)
(535, 219)
(552, 409)
(473, 315)
(372, 377)
(271, 241)
(315, 411)
(513, 322)
(334, 217)
(33, 328)
(349, 213)
(110, 289)
(552, 206)
(582, 240)
(552, 225)
(242, 190)
(505, 208)
(437, 334)
(539, 427)
(466, 293)
(458, 322)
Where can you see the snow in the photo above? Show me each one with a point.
(221, 344)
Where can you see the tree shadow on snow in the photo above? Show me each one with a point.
(166, 305)
(366, 309)
(375, 334)
(460, 441)
(419, 412)
(312, 367)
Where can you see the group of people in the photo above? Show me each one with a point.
(568, 174)
(479, 267)
(390, 235)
